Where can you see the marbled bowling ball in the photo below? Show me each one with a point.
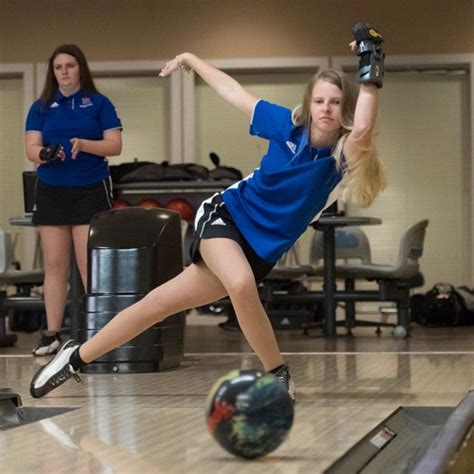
(249, 413)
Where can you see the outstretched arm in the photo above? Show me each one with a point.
(225, 86)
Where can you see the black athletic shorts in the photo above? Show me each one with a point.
(213, 220)
(61, 205)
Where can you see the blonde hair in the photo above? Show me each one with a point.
(365, 178)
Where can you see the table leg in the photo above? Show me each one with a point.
(329, 280)
(350, 305)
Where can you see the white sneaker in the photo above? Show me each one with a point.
(49, 344)
(57, 371)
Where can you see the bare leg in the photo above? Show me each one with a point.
(235, 273)
(195, 286)
(80, 234)
(56, 245)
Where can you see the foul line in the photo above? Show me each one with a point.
(326, 353)
(214, 354)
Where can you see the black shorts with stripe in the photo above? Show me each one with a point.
(213, 220)
(61, 205)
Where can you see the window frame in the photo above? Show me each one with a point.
(24, 71)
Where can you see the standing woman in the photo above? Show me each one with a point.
(70, 130)
(322, 150)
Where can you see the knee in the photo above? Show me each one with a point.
(242, 286)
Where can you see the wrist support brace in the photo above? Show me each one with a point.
(369, 49)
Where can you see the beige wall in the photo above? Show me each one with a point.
(157, 29)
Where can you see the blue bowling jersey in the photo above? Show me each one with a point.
(80, 115)
(274, 205)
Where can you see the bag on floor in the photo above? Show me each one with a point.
(441, 306)
(466, 298)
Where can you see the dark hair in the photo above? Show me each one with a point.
(85, 77)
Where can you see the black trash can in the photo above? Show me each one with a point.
(130, 252)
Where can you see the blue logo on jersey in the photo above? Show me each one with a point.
(86, 102)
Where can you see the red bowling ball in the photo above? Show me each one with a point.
(149, 203)
(183, 207)
(120, 204)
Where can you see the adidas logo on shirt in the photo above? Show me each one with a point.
(218, 221)
(291, 146)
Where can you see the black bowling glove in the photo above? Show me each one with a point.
(50, 152)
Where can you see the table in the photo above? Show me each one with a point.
(328, 224)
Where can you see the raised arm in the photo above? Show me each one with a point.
(225, 86)
(368, 45)
(365, 115)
